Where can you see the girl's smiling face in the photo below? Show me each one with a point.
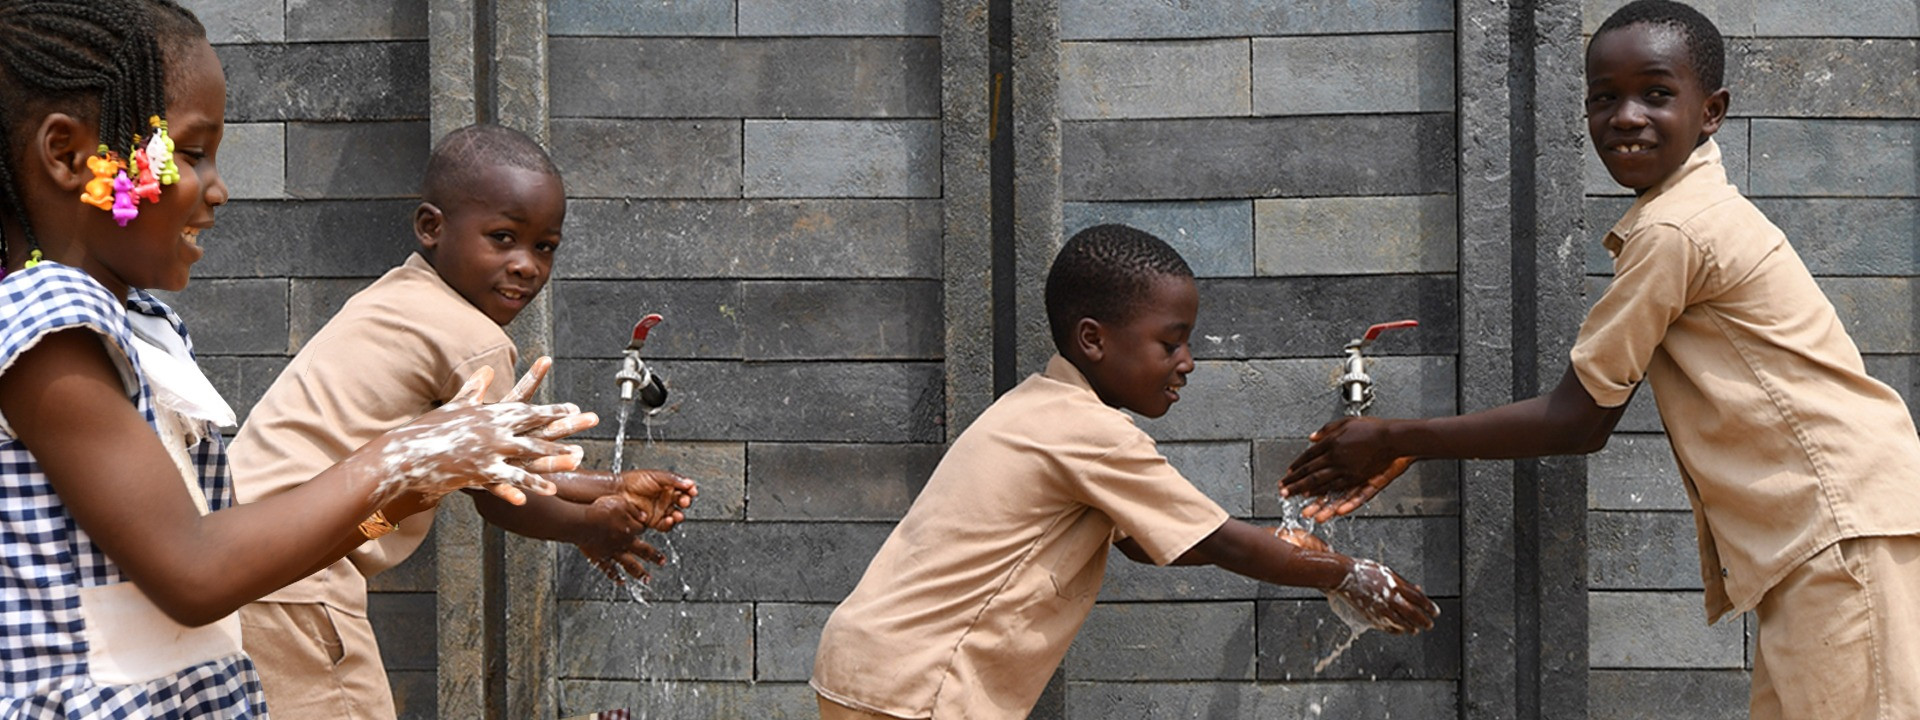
(159, 247)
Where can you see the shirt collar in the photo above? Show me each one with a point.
(1701, 170)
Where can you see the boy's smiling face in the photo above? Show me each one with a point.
(1141, 364)
(1646, 109)
(495, 244)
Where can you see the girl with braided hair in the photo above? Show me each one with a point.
(125, 558)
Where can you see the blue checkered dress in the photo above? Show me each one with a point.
(43, 638)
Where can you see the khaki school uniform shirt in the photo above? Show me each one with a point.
(973, 600)
(1784, 442)
(398, 349)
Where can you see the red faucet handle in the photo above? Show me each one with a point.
(641, 328)
(1375, 330)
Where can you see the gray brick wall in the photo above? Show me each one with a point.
(1822, 135)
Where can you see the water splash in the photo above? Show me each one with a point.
(1356, 622)
(656, 659)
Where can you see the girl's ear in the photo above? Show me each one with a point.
(1090, 337)
(61, 146)
(427, 221)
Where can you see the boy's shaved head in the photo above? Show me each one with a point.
(1705, 48)
(465, 156)
(1104, 272)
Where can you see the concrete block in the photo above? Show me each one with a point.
(840, 17)
(648, 158)
(1424, 550)
(405, 624)
(336, 21)
(841, 320)
(1733, 139)
(357, 160)
(241, 380)
(326, 82)
(1849, 236)
(1129, 581)
(669, 17)
(842, 158)
(253, 161)
(314, 302)
(658, 641)
(774, 701)
(417, 574)
(777, 402)
(1865, 158)
(1164, 641)
(1296, 316)
(1231, 400)
(1825, 77)
(1222, 470)
(1667, 694)
(1340, 74)
(1877, 311)
(234, 317)
(1642, 551)
(746, 77)
(1197, 78)
(1902, 373)
(1635, 471)
(1215, 238)
(1257, 157)
(1295, 635)
(314, 238)
(1127, 19)
(594, 318)
(1428, 700)
(1734, 18)
(785, 639)
(1864, 18)
(720, 469)
(232, 22)
(808, 481)
(810, 562)
(1641, 630)
(1430, 487)
(752, 239)
(416, 694)
(1356, 236)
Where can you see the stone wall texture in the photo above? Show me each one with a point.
(802, 189)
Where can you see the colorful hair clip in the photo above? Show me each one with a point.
(33, 258)
(160, 152)
(146, 186)
(99, 191)
(124, 210)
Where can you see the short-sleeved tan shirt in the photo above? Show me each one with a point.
(1785, 443)
(398, 349)
(973, 600)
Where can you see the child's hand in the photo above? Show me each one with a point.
(1300, 538)
(1383, 599)
(611, 540)
(658, 495)
(467, 444)
(1346, 465)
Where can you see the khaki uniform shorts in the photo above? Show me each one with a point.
(1840, 635)
(315, 662)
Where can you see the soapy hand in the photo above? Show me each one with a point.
(467, 444)
(1382, 599)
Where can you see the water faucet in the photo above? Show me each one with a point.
(1356, 386)
(634, 376)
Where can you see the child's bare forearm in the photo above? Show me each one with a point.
(1565, 421)
(583, 486)
(1256, 553)
(543, 518)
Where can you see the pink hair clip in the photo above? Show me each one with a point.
(123, 202)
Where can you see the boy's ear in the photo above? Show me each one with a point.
(427, 222)
(60, 148)
(1716, 111)
(1090, 338)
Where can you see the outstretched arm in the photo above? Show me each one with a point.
(658, 495)
(606, 529)
(1353, 459)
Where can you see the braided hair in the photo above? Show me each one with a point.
(1705, 48)
(103, 61)
(1106, 272)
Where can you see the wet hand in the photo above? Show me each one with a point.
(1384, 600)
(1347, 464)
(467, 444)
(612, 541)
(660, 496)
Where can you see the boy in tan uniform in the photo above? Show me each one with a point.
(973, 600)
(1803, 471)
(488, 226)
